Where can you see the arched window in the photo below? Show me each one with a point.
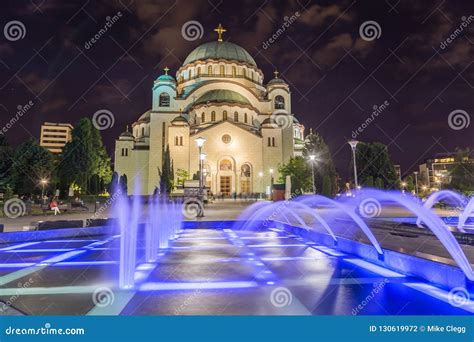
(224, 115)
(245, 170)
(164, 100)
(234, 71)
(199, 71)
(236, 117)
(203, 117)
(279, 102)
(143, 131)
(190, 74)
(209, 70)
(222, 70)
(244, 72)
(245, 118)
(225, 165)
(213, 116)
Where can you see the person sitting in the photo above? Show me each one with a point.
(54, 206)
(80, 203)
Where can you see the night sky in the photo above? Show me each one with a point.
(337, 73)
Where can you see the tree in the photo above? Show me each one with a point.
(410, 184)
(31, 163)
(6, 155)
(462, 175)
(166, 173)
(323, 164)
(300, 173)
(181, 176)
(374, 165)
(327, 186)
(85, 160)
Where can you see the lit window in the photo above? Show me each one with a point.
(164, 100)
(209, 70)
(224, 115)
(279, 102)
(213, 116)
(222, 70)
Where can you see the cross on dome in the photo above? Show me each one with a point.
(166, 69)
(276, 73)
(220, 30)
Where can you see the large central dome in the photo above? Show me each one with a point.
(220, 50)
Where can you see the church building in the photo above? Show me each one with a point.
(219, 95)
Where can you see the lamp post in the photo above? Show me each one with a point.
(260, 175)
(271, 183)
(43, 185)
(416, 182)
(312, 158)
(353, 144)
(200, 142)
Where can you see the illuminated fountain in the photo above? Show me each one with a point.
(448, 196)
(468, 211)
(161, 223)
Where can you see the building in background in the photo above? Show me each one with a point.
(436, 171)
(54, 136)
(398, 171)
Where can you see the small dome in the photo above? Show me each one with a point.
(126, 136)
(166, 78)
(179, 120)
(276, 81)
(269, 123)
(295, 120)
(220, 50)
(222, 96)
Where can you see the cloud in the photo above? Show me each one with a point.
(317, 15)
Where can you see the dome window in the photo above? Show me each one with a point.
(198, 71)
(213, 116)
(224, 115)
(234, 71)
(245, 118)
(222, 70)
(164, 100)
(279, 102)
(209, 70)
(203, 117)
(236, 117)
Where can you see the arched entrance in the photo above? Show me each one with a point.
(226, 177)
(246, 178)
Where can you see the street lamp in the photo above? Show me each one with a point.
(416, 182)
(312, 158)
(271, 183)
(43, 182)
(200, 142)
(260, 175)
(353, 144)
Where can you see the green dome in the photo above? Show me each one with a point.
(166, 77)
(222, 96)
(220, 50)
